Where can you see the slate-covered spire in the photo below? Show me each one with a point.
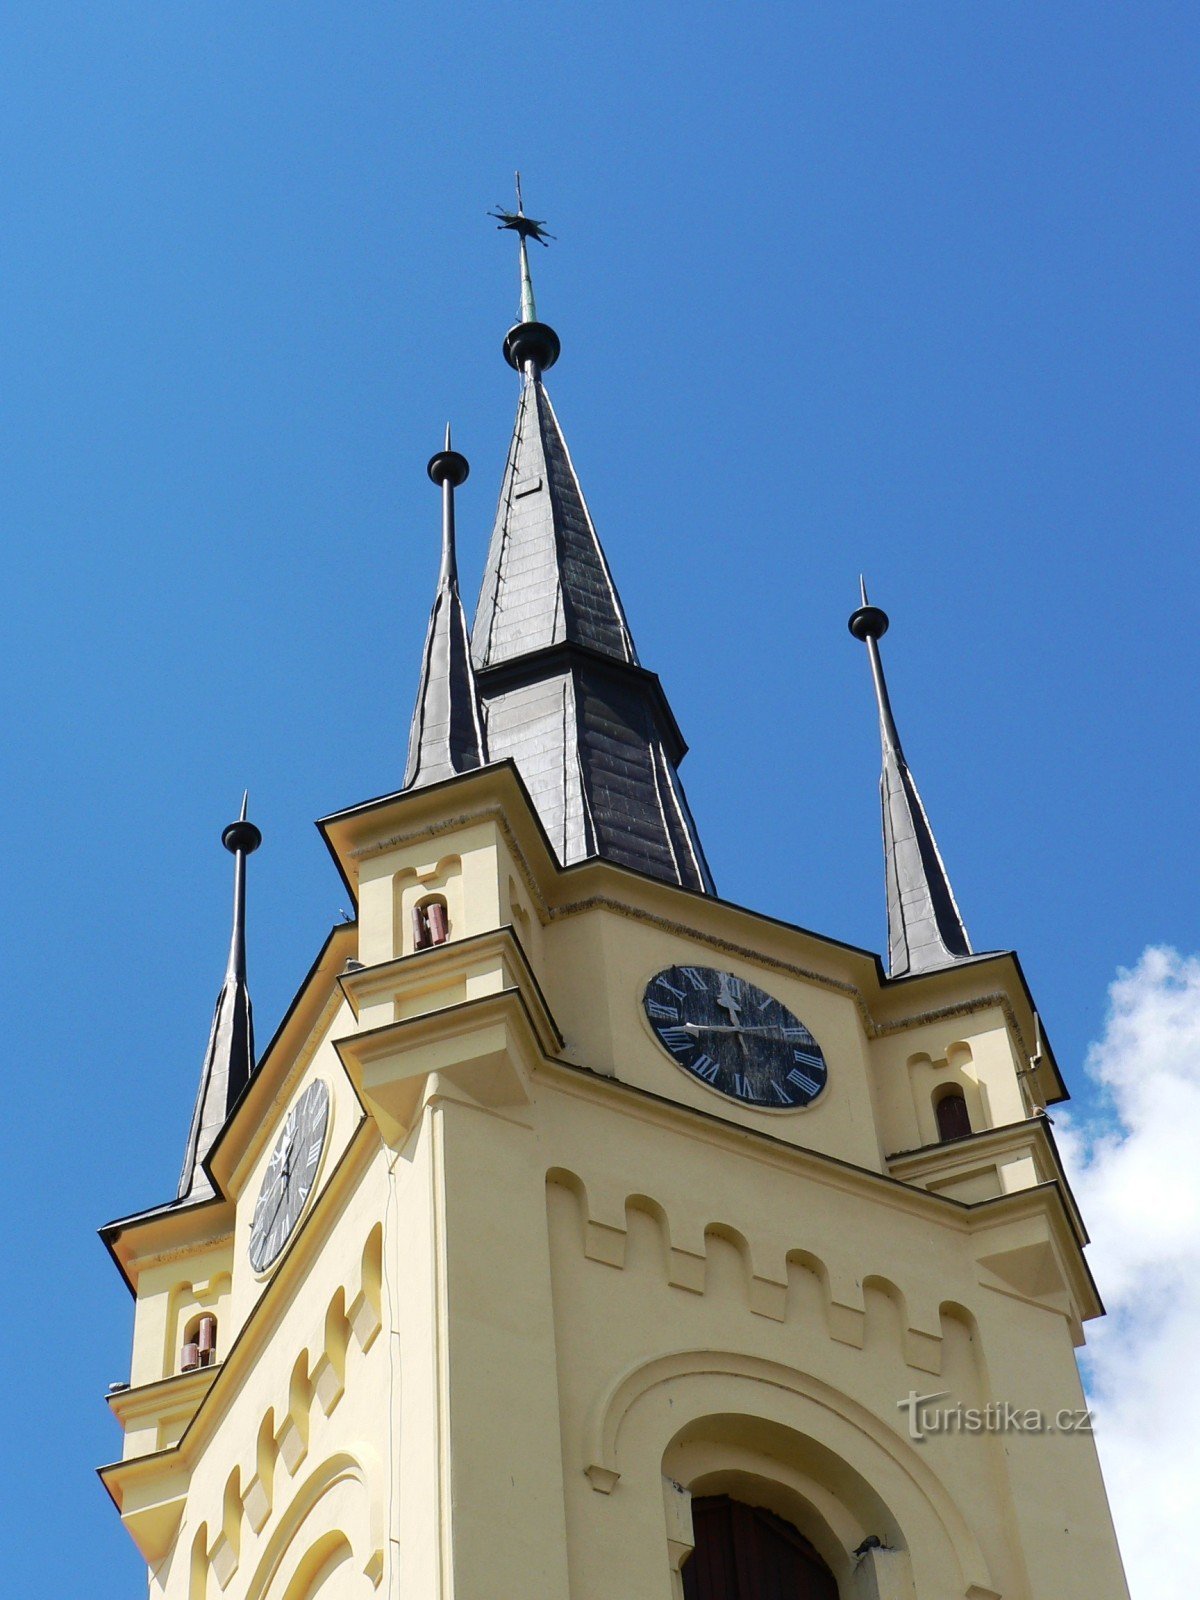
(546, 581)
(446, 736)
(925, 929)
(229, 1059)
(559, 679)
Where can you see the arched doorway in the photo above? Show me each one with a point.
(745, 1552)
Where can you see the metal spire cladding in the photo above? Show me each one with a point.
(229, 1059)
(559, 679)
(446, 736)
(925, 929)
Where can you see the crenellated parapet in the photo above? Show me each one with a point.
(805, 1277)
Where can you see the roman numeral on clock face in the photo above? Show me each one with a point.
(660, 1012)
(705, 1067)
(803, 1081)
(677, 1038)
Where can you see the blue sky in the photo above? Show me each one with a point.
(905, 289)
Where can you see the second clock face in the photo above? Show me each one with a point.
(290, 1175)
(735, 1037)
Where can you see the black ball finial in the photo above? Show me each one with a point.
(868, 622)
(241, 836)
(531, 341)
(448, 466)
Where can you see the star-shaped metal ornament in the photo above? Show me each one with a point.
(526, 227)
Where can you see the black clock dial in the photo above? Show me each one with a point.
(734, 1037)
(289, 1177)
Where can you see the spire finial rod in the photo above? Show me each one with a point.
(448, 468)
(869, 623)
(241, 839)
(528, 304)
(525, 228)
(531, 343)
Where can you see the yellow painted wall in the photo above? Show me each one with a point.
(550, 1286)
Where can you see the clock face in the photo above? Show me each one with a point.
(289, 1177)
(737, 1039)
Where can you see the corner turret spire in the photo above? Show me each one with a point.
(563, 692)
(229, 1059)
(925, 929)
(446, 736)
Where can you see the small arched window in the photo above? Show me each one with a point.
(199, 1343)
(431, 922)
(745, 1552)
(953, 1118)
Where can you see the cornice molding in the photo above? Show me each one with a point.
(494, 814)
(542, 881)
(176, 1390)
(708, 1127)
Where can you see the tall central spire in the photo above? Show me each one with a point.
(562, 688)
(229, 1059)
(925, 929)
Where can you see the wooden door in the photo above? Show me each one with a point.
(748, 1553)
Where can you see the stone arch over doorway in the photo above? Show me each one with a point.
(711, 1422)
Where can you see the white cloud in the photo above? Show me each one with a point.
(1135, 1169)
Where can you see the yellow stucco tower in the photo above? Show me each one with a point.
(583, 1236)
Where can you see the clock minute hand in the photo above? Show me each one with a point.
(282, 1197)
(286, 1174)
(724, 1027)
(727, 1001)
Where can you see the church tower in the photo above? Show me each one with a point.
(580, 1235)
